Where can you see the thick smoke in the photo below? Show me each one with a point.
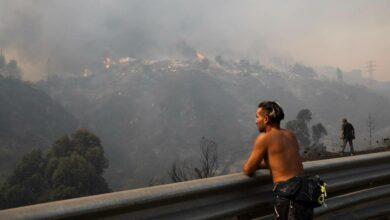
(67, 36)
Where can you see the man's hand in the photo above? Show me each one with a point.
(257, 155)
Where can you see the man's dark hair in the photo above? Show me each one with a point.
(273, 111)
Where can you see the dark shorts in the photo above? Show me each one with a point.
(284, 205)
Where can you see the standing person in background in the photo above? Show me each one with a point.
(347, 135)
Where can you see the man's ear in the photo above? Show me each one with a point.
(266, 119)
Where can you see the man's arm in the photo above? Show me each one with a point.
(256, 157)
(342, 132)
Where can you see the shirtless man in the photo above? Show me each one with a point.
(277, 149)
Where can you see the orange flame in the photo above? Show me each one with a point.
(199, 56)
(124, 60)
(107, 62)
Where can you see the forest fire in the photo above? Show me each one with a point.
(124, 60)
(107, 62)
(200, 56)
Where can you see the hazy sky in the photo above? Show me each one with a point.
(76, 34)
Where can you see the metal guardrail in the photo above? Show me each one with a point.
(358, 180)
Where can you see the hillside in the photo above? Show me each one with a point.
(29, 118)
(149, 113)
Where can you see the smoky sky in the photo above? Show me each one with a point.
(71, 35)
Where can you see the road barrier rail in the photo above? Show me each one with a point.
(357, 184)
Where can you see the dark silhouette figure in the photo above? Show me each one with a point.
(347, 136)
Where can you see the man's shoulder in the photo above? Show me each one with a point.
(265, 137)
(262, 137)
(261, 140)
(288, 133)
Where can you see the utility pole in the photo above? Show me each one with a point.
(371, 128)
(2, 60)
(48, 68)
(370, 68)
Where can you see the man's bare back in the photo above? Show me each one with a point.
(282, 153)
(278, 148)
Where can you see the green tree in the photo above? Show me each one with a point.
(74, 177)
(5, 155)
(27, 185)
(73, 167)
(89, 146)
(318, 132)
(300, 128)
(61, 148)
(304, 115)
(13, 70)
